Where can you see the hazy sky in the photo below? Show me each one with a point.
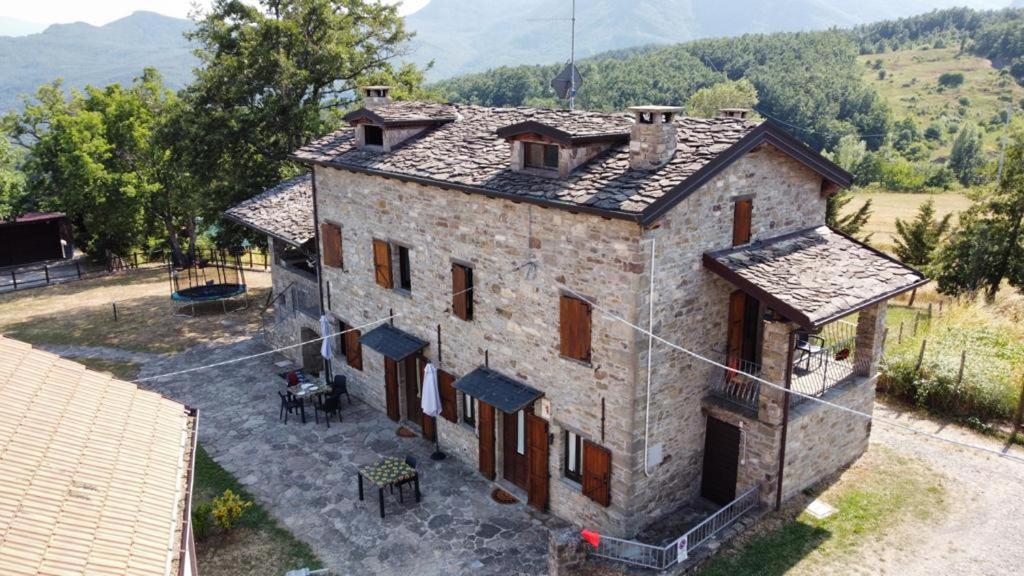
(100, 12)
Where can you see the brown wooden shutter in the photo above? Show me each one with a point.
(597, 473)
(575, 327)
(449, 403)
(741, 221)
(330, 237)
(391, 389)
(460, 295)
(485, 417)
(382, 263)
(537, 453)
(353, 348)
(734, 344)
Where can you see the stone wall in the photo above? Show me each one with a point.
(515, 316)
(285, 326)
(691, 308)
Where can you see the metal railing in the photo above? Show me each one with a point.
(737, 388)
(824, 360)
(662, 557)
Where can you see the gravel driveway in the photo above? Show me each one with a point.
(982, 531)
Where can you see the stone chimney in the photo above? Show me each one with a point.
(652, 141)
(374, 96)
(738, 113)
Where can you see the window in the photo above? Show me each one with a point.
(352, 346)
(382, 263)
(543, 156)
(373, 135)
(468, 410)
(404, 272)
(462, 291)
(741, 218)
(573, 457)
(330, 237)
(574, 325)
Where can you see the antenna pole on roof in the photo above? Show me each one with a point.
(572, 58)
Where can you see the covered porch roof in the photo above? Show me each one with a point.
(504, 393)
(392, 342)
(284, 212)
(814, 276)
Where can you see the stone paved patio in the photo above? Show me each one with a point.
(305, 475)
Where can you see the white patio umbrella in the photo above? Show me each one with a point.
(430, 403)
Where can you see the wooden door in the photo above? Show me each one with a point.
(737, 309)
(413, 374)
(391, 388)
(537, 449)
(721, 462)
(514, 461)
(485, 416)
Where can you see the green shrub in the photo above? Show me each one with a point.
(228, 508)
(951, 79)
(202, 520)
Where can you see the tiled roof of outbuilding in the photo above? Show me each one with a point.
(469, 153)
(284, 211)
(814, 276)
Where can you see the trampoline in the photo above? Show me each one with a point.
(219, 279)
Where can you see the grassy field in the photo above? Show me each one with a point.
(145, 322)
(911, 88)
(888, 206)
(876, 498)
(258, 545)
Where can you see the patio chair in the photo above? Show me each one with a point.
(411, 461)
(288, 403)
(810, 347)
(340, 386)
(329, 405)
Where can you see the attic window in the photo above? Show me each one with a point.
(543, 156)
(373, 135)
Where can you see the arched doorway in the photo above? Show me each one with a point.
(312, 362)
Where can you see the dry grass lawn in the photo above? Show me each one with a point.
(80, 313)
(888, 206)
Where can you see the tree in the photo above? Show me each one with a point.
(273, 77)
(951, 79)
(706, 102)
(852, 223)
(987, 247)
(848, 153)
(965, 159)
(12, 182)
(916, 240)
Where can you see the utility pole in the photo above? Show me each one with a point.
(572, 59)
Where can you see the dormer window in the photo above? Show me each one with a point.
(541, 156)
(373, 135)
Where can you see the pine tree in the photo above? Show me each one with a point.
(851, 224)
(917, 239)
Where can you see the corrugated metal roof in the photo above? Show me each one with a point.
(498, 390)
(392, 342)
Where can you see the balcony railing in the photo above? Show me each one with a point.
(824, 360)
(735, 387)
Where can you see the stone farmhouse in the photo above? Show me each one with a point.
(516, 247)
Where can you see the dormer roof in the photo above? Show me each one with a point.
(570, 127)
(403, 113)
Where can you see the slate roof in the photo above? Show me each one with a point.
(494, 388)
(93, 471)
(469, 154)
(404, 112)
(284, 211)
(392, 342)
(814, 276)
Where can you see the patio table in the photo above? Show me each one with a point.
(307, 389)
(388, 472)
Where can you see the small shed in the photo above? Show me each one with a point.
(34, 237)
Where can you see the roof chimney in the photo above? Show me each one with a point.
(374, 96)
(739, 113)
(652, 140)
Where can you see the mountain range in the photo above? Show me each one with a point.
(84, 54)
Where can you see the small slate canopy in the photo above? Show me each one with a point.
(498, 390)
(392, 342)
(814, 276)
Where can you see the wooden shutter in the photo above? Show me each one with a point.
(391, 389)
(741, 221)
(449, 403)
(537, 454)
(485, 416)
(461, 294)
(734, 344)
(382, 263)
(575, 328)
(597, 473)
(330, 237)
(353, 348)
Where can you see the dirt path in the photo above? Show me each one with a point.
(101, 353)
(982, 530)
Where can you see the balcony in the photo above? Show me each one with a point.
(824, 360)
(737, 388)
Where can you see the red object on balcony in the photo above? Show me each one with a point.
(843, 354)
(293, 379)
(592, 538)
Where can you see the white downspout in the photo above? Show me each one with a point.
(650, 350)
